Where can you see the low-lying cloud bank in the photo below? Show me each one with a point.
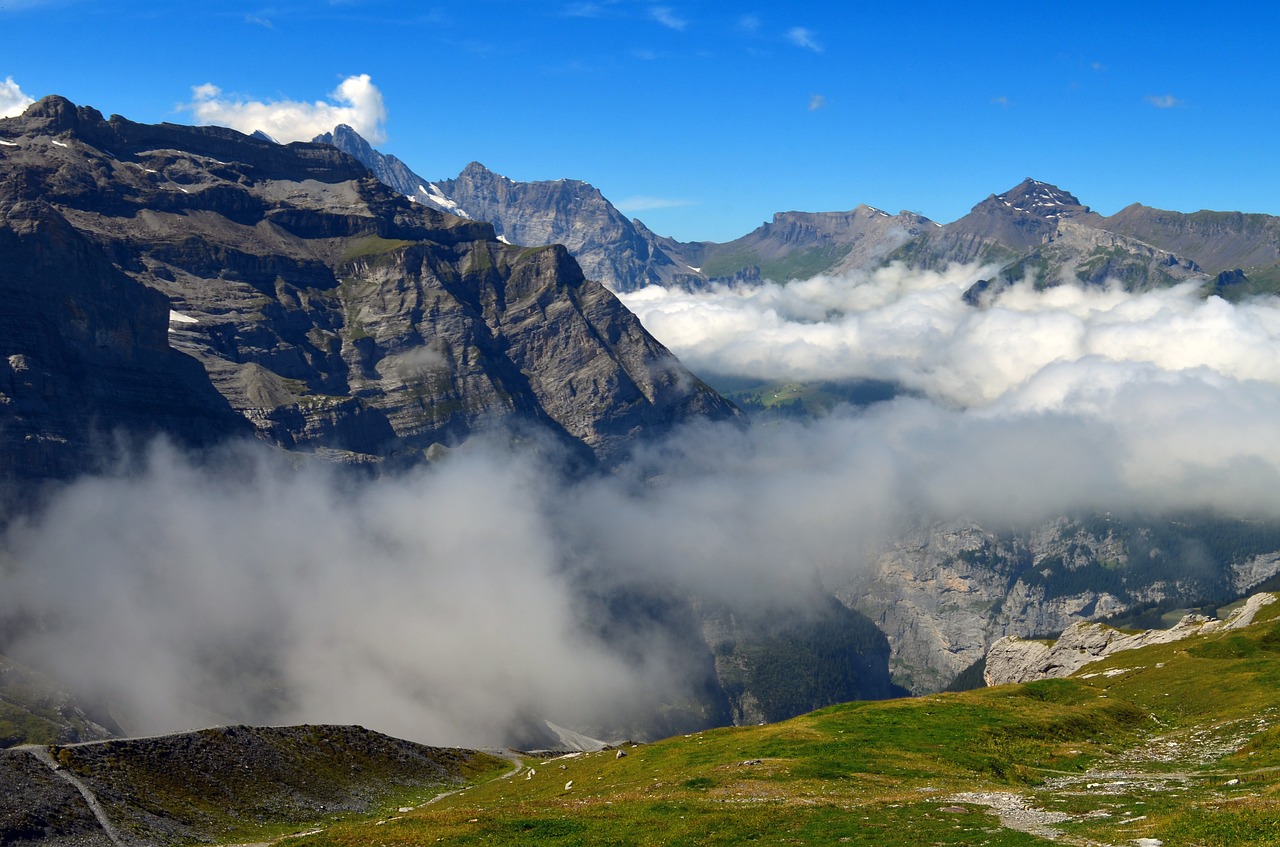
(912, 327)
(449, 603)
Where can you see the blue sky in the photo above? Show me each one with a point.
(705, 118)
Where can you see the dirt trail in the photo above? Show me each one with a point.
(42, 753)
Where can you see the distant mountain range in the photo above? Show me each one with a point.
(1034, 232)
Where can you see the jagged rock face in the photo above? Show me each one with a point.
(943, 594)
(327, 310)
(1012, 659)
(389, 170)
(84, 356)
(609, 247)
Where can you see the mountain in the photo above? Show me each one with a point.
(623, 253)
(608, 246)
(389, 170)
(1013, 659)
(206, 285)
(205, 278)
(36, 709)
(800, 245)
(943, 594)
(1000, 229)
(1219, 242)
(1032, 231)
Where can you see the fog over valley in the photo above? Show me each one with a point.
(457, 602)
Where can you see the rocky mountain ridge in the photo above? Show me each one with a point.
(1033, 231)
(321, 307)
(944, 594)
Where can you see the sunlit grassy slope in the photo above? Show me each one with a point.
(1177, 742)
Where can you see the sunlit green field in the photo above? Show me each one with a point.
(1177, 742)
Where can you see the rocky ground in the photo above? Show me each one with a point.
(215, 784)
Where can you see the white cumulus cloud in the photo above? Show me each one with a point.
(12, 99)
(357, 102)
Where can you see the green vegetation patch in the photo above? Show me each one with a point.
(799, 264)
(371, 245)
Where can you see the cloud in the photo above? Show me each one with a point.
(1163, 101)
(816, 102)
(258, 20)
(668, 18)
(13, 101)
(641, 203)
(913, 328)
(450, 603)
(1001, 101)
(801, 37)
(356, 102)
(585, 10)
(749, 23)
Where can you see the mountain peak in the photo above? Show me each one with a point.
(59, 114)
(1041, 199)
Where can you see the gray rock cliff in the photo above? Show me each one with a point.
(325, 309)
(1012, 659)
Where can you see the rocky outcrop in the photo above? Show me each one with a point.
(1083, 254)
(1216, 241)
(944, 594)
(609, 247)
(800, 245)
(326, 310)
(84, 358)
(1012, 659)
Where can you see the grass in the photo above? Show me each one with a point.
(371, 245)
(799, 264)
(883, 773)
(801, 399)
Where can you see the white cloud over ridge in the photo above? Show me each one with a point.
(356, 102)
(913, 327)
(13, 101)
